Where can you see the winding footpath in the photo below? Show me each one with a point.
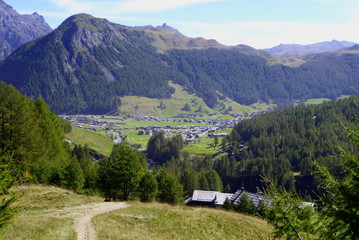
(83, 214)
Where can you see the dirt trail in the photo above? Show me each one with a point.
(83, 215)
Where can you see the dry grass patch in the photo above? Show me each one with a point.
(160, 221)
(31, 221)
(41, 198)
(24, 227)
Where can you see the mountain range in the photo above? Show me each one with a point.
(17, 29)
(88, 63)
(298, 49)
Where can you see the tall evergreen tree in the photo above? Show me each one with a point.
(119, 175)
(148, 187)
(340, 212)
(73, 177)
(6, 181)
(190, 181)
(169, 188)
(245, 205)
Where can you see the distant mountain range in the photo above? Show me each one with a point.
(86, 64)
(17, 29)
(164, 26)
(298, 49)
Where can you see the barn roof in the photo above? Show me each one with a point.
(217, 198)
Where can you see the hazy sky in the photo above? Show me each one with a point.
(258, 23)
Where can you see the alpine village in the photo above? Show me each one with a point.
(115, 132)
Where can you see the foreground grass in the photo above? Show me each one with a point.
(26, 227)
(31, 205)
(139, 221)
(160, 221)
(43, 198)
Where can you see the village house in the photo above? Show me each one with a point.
(215, 199)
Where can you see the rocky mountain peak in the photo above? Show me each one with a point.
(169, 28)
(17, 29)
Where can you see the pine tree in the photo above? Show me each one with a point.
(339, 216)
(6, 181)
(169, 188)
(214, 181)
(187, 107)
(148, 187)
(190, 181)
(227, 204)
(73, 177)
(216, 141)
(202, 181)
(245, 205)
(120, 174)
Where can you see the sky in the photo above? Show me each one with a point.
(257, 23)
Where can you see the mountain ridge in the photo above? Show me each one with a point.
(87, 64)
(299, 49)
(17, 29)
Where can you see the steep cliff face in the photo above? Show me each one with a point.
(17, 29)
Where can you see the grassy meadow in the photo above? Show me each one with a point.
(134, 105)
(316, 101)
(161, 221)
(138, 221)
(95, 141)
(32, 203)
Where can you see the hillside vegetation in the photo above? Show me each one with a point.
(165, 107)
(291, 140)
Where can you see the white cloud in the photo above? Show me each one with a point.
(126, 6)
(144, 6)
(269, 34)
(73, 6)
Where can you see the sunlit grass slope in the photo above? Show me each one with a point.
(135, 105)
(138, 221)
(35, 201)
(95, 141)
(160, 221)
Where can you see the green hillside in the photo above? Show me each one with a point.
(292, 140)
(95, 141)
(165, 107)
(160, 221)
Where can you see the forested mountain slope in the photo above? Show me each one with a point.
(87, 64)
(293, 139)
